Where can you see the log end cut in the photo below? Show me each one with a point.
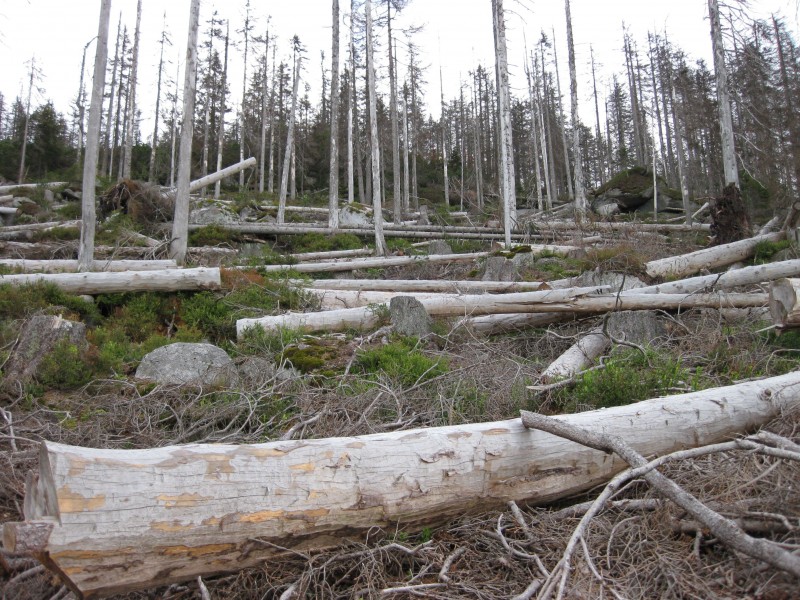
(783, 304)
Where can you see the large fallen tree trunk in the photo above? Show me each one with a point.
(31, 186)
(331, 254)
(12, 232)
(170, 280)
(709, 258)
(368, 263)
(491, 324)
(577, 357)
(115, 521)
(71, 266)
(423, 285)
(611, 226)
(570, 300)
(291, 229)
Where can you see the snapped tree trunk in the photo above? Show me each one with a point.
(180, 221)
(88, 210)
(115, 521)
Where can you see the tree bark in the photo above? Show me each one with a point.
(380, 243)
(130, 106)
(333, 180)
(504, 104)
(221, 118)
(180, 221)
(723, 97)
(708, 258)
(287, 155)
(199, 184)
(170, 280)
(72, 266)
(81, 521)
(88, 214)
(580, 193)
(577, 357)
(425, 285)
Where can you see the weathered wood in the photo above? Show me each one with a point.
(170, 280)
(424, 285)
(570, 300)
(124, 520)
(31, 186)
(71, 266)
(741, 277)
(377, 262)
(305, 256)
(612, 226)
(783, 303)
(41, 226)
(199, 184)
(577, 357)
(709, 258)
(338, 299)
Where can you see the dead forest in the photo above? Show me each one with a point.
(286, 350)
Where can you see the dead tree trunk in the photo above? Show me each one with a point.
(180, 221)
(130, 113)
(151, 172)
(580, 193)
(333, 181)
(80, 520)
(723, 97)
(88, 215)
(221, 130)
(287, 155)
(380, 244)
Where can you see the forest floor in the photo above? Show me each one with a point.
(356, 383)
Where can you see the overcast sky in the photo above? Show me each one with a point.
(457, 34)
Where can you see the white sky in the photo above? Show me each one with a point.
(458, 31)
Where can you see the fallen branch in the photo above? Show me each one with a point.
(71, 266)
(724, 529)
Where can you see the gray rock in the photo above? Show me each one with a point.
(38, 338)
(423, 215)
(499, 268)
(409, 317)
(212, 215)
(439, 247)
(256, 370)
(49, 196)
(350, 217)
(181, 363)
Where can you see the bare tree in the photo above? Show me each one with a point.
(151, 175)
(580, 194)
(564, 145)
(380, 243)
(287, 156)
(443, 123)
(108, 150)
(222, 109)
(130, 113)
(333, 184)
(723, 97)
(88, 218)
(351, 108)
(248, 27)
(504, 104)
(31, 78)
(264, 84)
(180, 221)
(81, 104)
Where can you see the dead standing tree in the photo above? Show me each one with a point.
(333, 183)
(380, 244)
(86, 250)
(287, 155)
(180, 221)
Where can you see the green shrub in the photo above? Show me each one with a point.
(64, 368)
(400, 360)
(211, 235)
(17, 302)
(627, 378)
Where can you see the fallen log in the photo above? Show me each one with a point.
(71, 266)
(115, 521)
(612, 226)
(783, 303)
(339, 299)
(307, 256)
(709, 258)
(370, 316)
(376, 262)
(423, 285)
(170, 280)
(31, 186)
(213, 178)
(570, 300)
(492, 324)
(577, 357)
